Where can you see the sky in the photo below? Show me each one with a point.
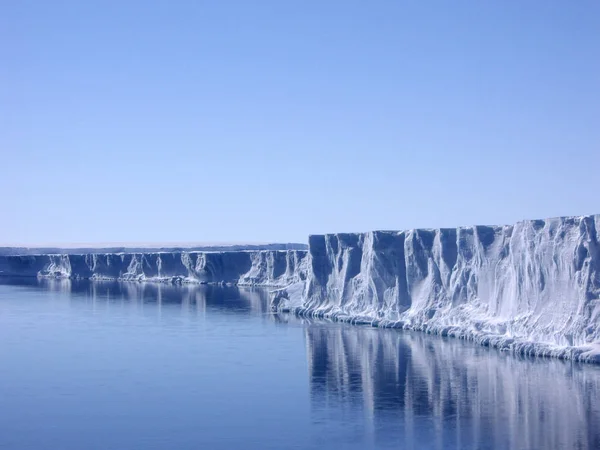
(267, 121)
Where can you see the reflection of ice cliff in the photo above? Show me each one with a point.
(533, 287)
(191, 298)
(410, 384)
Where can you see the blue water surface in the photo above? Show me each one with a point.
(114, 366)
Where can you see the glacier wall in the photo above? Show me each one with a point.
(533, 287)
(266, 268)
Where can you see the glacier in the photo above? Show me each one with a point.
(532, 288)
(256, 268)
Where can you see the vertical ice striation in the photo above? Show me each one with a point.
(533, 287)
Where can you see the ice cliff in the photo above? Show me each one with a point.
(260, 268)
(533, 287)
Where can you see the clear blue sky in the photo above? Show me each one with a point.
(260, 120)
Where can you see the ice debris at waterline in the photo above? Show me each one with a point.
(532, 288)
(257, 268)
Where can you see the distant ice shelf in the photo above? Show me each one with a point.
(256, 268)
(78, 249)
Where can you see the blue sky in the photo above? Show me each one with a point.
(135, 121)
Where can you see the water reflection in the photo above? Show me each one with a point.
(192, 297)
(413, 388)
(388, 388)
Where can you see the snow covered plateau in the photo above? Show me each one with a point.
(531, 288)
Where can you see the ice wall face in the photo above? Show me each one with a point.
(268, 268)
(533, 287)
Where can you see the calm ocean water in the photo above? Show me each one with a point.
(144, 366)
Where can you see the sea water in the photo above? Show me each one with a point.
(87, 365)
